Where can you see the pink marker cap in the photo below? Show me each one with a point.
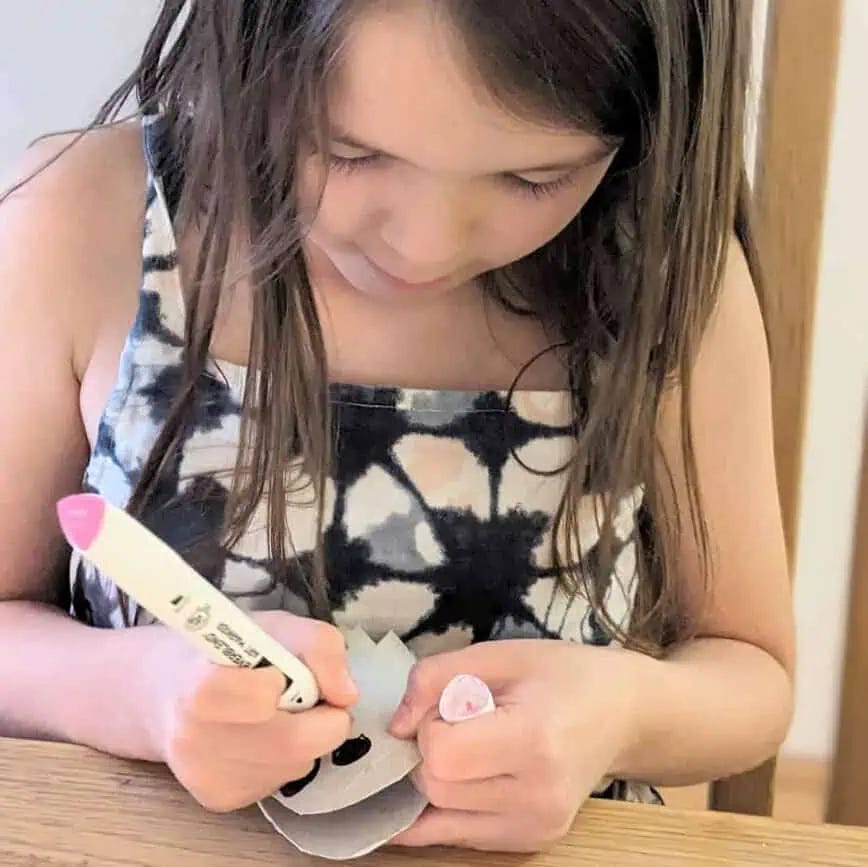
(465, 697)
(81, 518)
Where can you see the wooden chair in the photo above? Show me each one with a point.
(797, 100)
(848, 794)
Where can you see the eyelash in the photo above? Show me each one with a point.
(349, 165)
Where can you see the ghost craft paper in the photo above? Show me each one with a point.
(371, 759)
(359, 797)
(353, 832)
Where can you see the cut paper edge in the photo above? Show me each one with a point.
(354, 831)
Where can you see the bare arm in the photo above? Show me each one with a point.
(723, 702)
(60, 678)
(69, 264)
(66, 681)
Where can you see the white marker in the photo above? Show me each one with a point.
(465, 697)
(159, 579)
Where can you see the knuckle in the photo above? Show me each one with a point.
(425, 741)
(261, 704)
(434, 790)
(438, 762)
(421, 677)
(327, 640)
(197, 702)
(285, 627)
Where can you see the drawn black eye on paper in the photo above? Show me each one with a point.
(371, 759)
(294, 787)
(349, 752)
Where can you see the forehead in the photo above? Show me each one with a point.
(406, 86)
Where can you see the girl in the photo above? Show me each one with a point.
(441, 322)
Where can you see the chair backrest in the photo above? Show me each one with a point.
(797, 100)
(848, 794)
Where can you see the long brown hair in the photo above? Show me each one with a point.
(629, 284)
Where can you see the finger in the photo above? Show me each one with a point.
(487, 831)
(224, 785)
(495, 795)
(314, 732)
(227, 759)
(498, 743)
(497, 663)
(322, 648)
(288, 742)
(235, 695)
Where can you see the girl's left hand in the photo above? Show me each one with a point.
(514, 779)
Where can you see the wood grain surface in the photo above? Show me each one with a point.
(65, 805)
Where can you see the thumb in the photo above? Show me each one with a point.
(492, 662)
(322, 649)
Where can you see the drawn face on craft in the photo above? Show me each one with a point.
(371, 759)
(350, 752)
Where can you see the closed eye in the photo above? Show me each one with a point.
(534, 189)
(352, 164)
(539, 189)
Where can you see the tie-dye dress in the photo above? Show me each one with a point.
(439, 505)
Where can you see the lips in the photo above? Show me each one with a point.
(409, 284)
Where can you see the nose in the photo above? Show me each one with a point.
(427, 230)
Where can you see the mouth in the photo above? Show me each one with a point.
(398, 282)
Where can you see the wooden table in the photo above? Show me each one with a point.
(64, 805)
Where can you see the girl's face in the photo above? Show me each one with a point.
(430, 184)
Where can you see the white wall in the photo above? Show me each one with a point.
(760, 32)
(839, 391)
(59, 59)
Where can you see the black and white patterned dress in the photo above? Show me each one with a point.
(439, 505)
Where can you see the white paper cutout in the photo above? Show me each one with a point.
(352, 832)
(380, 672)
(348, 811)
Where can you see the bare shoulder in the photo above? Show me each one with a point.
(70, 241)
(736, 329)
(71, 161)
(70, 231)
(733, 353)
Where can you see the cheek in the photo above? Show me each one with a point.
(518, 226)
(524, 227)
(515, 232)
(342, 212)
(344, 216)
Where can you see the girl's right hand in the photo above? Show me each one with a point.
(219, 729)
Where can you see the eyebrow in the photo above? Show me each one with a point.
(597, 155)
